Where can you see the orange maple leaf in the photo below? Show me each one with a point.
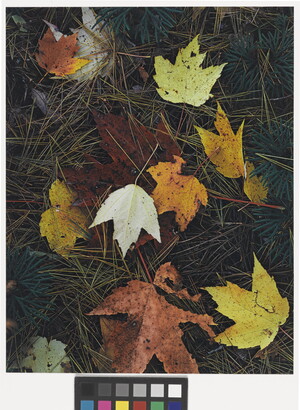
(182, 194)
(57, 57)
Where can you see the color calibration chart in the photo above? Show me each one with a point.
(130, 393)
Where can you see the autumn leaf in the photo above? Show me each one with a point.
(151, 328)
(168, 278)
(185, 81)
(63, 223)
(94, 42)
(182, 194)
(257, 314)
(129, 146)
(253, 185)
(57, 57)
(131, 209)
(44, 357)
(224, 150)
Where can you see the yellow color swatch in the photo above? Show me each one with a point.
(122, 405)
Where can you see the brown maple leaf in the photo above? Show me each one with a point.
(152, 328)
(130, 145)
(57, 57)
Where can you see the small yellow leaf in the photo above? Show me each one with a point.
(186, 81)
(182, 194)
(257, 314)
(224, 150)
(253, 186)
(63, 223)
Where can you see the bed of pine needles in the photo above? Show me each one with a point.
(218, 244)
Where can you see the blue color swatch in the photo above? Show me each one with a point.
(174, 405)
(87, 405)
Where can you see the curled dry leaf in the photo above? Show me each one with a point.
(57, 57)
(257, 314)
(11, 286)
(40, 99)
(143, 73)
(151, 328)
(44, 357)
(63, 223)
(253, 186)
(129, 145)
(224, 150)
(182, 194)
(11, 325)
(185, 81)
(131, 209)
(168, 278)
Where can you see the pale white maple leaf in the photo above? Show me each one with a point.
(131, 209)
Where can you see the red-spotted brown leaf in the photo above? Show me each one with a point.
(152, 328)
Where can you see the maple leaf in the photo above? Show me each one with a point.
(130, 145)
(94, 41)
(176, 192)
(63, 224)
(253, 185)
(44, 357)
(57, 57)
(152, 328)
(186, 81)
(224, 150)
(257, 314)
(131, 209)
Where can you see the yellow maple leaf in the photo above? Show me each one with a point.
(224, 150)
(185, 81)
(63, 223)
(253, 186)
(257, 314)
(182, 194)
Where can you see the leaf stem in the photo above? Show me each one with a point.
(285, 333)
(248, 202)
(144, 265)
(207, 158)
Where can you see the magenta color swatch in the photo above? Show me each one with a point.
(104, 405)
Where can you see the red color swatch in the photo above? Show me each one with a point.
(139, 405)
